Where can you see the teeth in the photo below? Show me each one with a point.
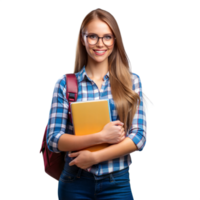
(100, 51)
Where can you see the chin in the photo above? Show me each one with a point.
(99, 60)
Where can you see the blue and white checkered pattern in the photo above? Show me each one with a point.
(88, 90)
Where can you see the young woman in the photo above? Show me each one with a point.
(102, 72)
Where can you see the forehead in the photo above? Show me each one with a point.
(97, 26)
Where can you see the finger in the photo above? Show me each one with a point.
(118, 128)
(118, 123)
(71, 163)
(72, 155)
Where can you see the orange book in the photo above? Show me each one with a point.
(90, 117)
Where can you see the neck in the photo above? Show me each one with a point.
(96, 70)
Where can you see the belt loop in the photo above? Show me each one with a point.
(79, 173)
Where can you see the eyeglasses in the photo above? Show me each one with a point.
(93, 39)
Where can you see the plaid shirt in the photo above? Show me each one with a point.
(88, 90)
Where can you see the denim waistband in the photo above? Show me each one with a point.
(80, 172)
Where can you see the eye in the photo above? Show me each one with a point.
(92, 36)
(108, 37)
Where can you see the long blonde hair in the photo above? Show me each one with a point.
(125, 99)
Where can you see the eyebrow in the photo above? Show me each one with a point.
(103, 34)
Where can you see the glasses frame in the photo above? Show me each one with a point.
(98, 39)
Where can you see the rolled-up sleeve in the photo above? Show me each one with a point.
(57, 116)
(137, 132)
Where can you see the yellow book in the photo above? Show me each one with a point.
(90, 117)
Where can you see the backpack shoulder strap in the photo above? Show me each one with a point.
(71, 91)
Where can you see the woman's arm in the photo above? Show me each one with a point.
(115, 151)
(137, 132)
(57, 139)
(68, 142)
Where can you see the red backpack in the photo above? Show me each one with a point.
(54, 162)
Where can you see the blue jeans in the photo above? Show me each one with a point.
(75, 183)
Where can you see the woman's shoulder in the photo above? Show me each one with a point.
(61, 83)
(134, 75)
(136, 81)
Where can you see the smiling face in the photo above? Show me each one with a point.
(98, 52)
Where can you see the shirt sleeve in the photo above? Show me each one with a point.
(58, 115)
(137, 132)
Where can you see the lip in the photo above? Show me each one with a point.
(99, 54)
(100, 49)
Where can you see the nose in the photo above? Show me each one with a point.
(100, 42)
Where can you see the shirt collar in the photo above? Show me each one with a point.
(82, 75)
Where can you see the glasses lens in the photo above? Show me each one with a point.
(107, 40)
(92, 39)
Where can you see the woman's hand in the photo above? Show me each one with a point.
(83, 160)
(113, 132)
